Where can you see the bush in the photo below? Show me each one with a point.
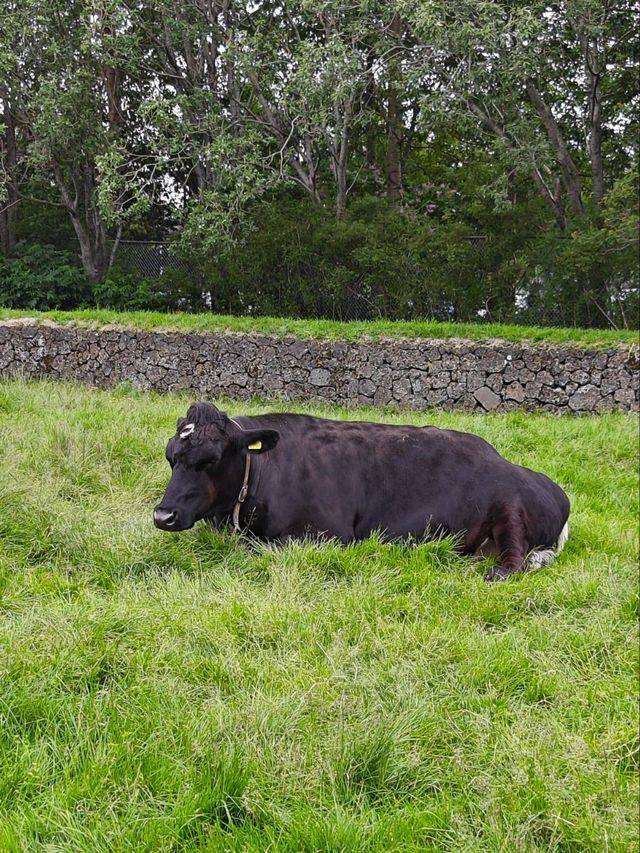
(298, 260)
(376, 262)
(41, 278)
(124, 290)
(504, 265)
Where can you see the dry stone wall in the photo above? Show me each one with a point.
(407, 373)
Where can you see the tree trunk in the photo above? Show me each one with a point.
(92, 252)
(9, 209)
(114, 116)
(371, 155)
(595, 147)
(341, 175)
(393, 154)
(594, 122)
(87, 223)
(394, 136)
(569, 170)
(340, 153)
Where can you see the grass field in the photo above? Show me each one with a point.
(334, 330)
(193, 691)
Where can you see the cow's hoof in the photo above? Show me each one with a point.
(498, 573)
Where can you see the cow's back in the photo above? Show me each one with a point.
(353, 477)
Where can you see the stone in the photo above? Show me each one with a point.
(450, 361)
(365, 371)
(440, 380)
(585, 398)
(366, 387)
(401, 389)
(350, 389)
(606, 404)
(532, 390)
(514, 391)
(609, 386)
(434, 398)
(487, 398)
(382, 397)
(474, 380)
(319, 376)
(455, 391)
(581, 377)
(298, 349)
(625, 396)
(492, 361)
(519, 374)
(562, 378)
(534, 359)
(554, 396)
(495, 382)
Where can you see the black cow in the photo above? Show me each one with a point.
(282, 476)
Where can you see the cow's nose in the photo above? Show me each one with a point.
(165, 519)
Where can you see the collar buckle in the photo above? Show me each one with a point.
(235, 515)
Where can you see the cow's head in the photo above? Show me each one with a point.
(207, 457)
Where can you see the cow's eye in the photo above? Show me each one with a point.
(203, 464)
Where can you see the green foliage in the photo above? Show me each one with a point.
(121, 199)
(123, 290)
(199, 692)
(572, 266)
(300, 260)
(42, 277)
(42, 223)
(479, 157)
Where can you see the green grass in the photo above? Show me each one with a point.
(331, 330)
(193, 692)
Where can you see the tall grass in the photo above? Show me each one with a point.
(197, 691)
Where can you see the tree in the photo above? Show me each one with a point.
(535, 76)
(538, 78)
(67, 115)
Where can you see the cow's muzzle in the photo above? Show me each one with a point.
(165, 519)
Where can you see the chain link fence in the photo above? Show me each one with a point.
(355, 301)
(150, 259)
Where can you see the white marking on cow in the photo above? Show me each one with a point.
(562, 539)
(184, 433)
(538, 559)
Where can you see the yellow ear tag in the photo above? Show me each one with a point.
(257, 445)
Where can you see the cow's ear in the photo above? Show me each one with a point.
(258, 440)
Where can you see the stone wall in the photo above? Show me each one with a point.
(407, 373)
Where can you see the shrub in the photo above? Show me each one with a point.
(41, 278)
(125, 290)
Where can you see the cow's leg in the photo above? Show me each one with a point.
(509, 536)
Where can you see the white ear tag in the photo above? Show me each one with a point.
(255, 445)
(187, 430)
